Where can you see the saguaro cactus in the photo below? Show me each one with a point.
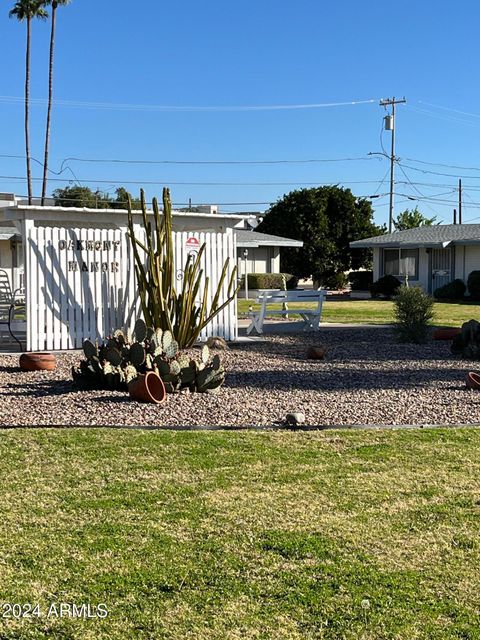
(184, 313)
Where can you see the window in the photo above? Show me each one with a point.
(393, 262)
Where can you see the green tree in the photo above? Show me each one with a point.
(27, 10)
(121, 201)
(411, 219)
(326, 219)
(78, 196)
(54, 4)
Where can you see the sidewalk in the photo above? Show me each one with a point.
(273, 327)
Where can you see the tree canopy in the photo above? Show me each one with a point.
(78, 196)
(326, 219)
(411, 219)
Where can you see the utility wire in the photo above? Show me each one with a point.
(436, 106)
(115, 106)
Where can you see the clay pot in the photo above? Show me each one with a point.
(473, 380)
(147, 388)
(446, 334)
(316, 353)
(37, 362)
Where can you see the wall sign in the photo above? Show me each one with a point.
(106, 247)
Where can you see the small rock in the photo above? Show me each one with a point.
(216, 342)
(295, 418)
(316, 352)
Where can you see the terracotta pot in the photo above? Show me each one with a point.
(316, 353)
(446, 334)
(473, 380)
(37, 362)
(147, 388)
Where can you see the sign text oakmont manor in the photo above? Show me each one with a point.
(104, 248)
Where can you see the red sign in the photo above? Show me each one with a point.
(192, 244)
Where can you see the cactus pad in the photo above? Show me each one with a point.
(89, 349)
(113, 356)
(140, 330)
(137, 354)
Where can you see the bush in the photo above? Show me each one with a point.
(452, 291)
(413, 312)
(360, 280)
(473, 284)
(269, 281)
(386, 286)
(335, 282)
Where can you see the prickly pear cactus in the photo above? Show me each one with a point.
(118, 360)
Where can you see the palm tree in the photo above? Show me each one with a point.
(54, 4)
(27, 10)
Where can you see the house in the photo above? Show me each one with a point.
(260, 252)
(431, 255)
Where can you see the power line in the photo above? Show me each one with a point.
(198, 184)
(116, 106)
(206, 162)
(436, 106)
(215, 162)
(438, 173)
(441, 164)
(444, 117)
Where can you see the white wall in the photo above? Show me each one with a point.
(259, 260)
(471, 263)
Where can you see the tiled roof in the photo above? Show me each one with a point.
(256, 239)
(426, 236)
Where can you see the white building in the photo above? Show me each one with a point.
(433, 255)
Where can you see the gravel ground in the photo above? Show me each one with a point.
(367, 378)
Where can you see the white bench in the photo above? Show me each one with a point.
(311, 317)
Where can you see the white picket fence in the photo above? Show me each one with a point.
(80, 283)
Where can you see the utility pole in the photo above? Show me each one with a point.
(390, 126)
(459, 201)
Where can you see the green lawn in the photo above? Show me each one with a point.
(376, 311)
(273, 535)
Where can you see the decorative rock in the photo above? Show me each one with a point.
(216, 342)
(295, 418)
(37, 362)
(316, 352)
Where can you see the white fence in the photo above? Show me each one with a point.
(81, 283)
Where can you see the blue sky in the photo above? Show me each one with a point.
(253, 53)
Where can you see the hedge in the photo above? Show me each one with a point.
(452, 291)
(269, 281)
(360, 280)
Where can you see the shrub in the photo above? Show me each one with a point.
(452, 291)
(335, 282)
(360, 280)
(413, 312)
(386, 286)
(473, 284)
(269, 281)
(117, 361)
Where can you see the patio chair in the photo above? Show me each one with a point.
(12, 305)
